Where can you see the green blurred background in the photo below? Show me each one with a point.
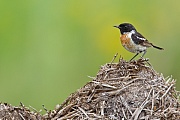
(49, 47)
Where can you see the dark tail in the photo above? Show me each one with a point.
(157, 47)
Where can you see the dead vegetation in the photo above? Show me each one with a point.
(8, 112)
(124, 90)
(120, 91)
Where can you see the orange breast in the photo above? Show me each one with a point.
(124, 39)
(129, 45)
(126, 42)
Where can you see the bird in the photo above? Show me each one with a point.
(133, 41)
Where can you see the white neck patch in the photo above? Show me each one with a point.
(130, 33)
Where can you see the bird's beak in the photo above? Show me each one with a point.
(116, 26)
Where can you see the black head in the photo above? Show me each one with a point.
(125, 27)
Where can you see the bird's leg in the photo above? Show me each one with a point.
(144, 52)
(134, 56)
(146, 58)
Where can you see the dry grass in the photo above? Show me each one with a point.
(120, 91)
(8, 112)
(124, 90)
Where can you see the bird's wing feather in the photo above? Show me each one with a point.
(140, 40)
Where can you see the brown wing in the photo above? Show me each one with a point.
(140, 40)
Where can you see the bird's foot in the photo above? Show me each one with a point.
(144, 59)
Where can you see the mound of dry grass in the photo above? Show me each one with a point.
(124, 90)
(120, 91)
